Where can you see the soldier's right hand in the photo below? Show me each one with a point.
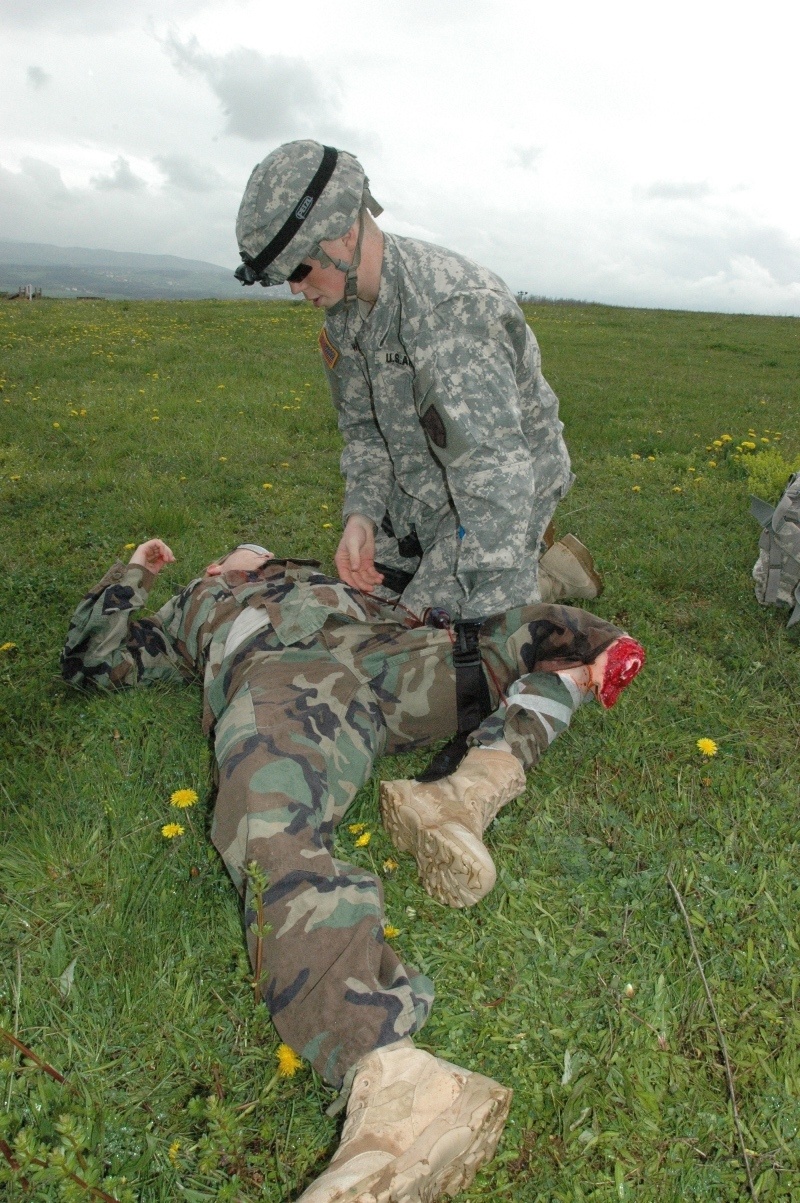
(355, 555)
(152, 555)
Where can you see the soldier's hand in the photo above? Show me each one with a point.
(355, 556)
(152, 555)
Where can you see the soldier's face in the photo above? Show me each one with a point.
(324, 286)
(240, 560)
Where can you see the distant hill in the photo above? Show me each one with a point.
(120, 275)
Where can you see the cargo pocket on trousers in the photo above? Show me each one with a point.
(237, 724)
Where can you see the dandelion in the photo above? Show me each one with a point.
(56, 426)
(635, 456)
(389, 931)
(326, 525)
(691, 469)
(651, 459)
(13, 478)
(170, 830)
(677, 489)
(223, 459)
(7, 647)
(323, 507)
(748, 446)
(389, 865)
(155, 418)
(707, 747)
(636, 489)
(174, 1149)
(286, 465)
(266, 485)
(129, 546)
(364, 839)
(712, 463)
(288, 1061)
(220, 386)
(716, 442)
(183, 798)
(765, 440)
(726, 438)
(357, 828)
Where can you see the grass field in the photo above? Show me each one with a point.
(122, 962)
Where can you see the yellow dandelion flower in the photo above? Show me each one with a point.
(183, 798)
(266, 485)
(13, 478)
(726, 438)
(326, 525)
(7, 647)
(635, 456)
(56, 426)
(155, 418)
(323, 507)
(707, 747)
(748, 446)
(677, 489)
(223, 459)
(636, 488)
(651, 459)
(364, 839)
(174, 1149)
(389, 931)
(129, 546)
(220, 386)
(357, 828)
(716, 442)
(765, 440)
(712, 463)
(170, 830)
(389, 865)
(288, 1061)
(285, 465)
(691, 469)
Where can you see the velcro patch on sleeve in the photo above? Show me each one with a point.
(329, 353)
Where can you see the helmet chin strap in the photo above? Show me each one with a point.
(350, 269)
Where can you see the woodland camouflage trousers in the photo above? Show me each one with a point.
(296, 742)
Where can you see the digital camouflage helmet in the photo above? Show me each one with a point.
(303, 193)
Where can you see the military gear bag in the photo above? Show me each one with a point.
(777, 570)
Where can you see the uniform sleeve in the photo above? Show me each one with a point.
(107, 647)
(471, 412)
(365, 463)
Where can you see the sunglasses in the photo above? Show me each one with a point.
(300, 273)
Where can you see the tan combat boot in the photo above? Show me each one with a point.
(417, 1127)
(441, 823)
(567, 570)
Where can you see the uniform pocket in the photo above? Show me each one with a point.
(237, 724)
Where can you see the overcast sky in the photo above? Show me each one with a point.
(635, 153)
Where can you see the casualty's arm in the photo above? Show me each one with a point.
(107, 646)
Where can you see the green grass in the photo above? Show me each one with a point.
(121, 955)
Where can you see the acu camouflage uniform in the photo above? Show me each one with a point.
(298, 713)
(453, 444)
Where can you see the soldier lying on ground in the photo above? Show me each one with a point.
(305, 683)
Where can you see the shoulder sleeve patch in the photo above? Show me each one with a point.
(329, 353)
(434, 427)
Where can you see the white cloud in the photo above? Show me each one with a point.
(37, 78)
(121, 178)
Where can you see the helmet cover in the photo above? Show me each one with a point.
(278, 190)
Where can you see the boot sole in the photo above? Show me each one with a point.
(448, 1154)
(454, 866)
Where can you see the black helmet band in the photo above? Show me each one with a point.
(254, 268)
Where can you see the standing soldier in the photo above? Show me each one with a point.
(454, 459)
